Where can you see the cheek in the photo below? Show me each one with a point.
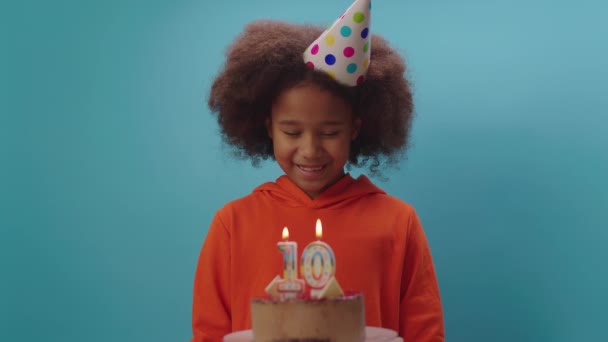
(281, 148)
(340, 150)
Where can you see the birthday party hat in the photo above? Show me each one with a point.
(343, 50)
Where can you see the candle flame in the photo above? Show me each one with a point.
(285, 233)
(319, 229)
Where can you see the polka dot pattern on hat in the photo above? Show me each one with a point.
(349, 52)
(343, 50)
(330, 59)
(345, 31)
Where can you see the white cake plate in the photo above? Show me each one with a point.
(372, 334)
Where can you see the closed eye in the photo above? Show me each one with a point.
(291, 133)
(329, 134)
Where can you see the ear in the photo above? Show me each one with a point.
(356, 128)
(269, 127)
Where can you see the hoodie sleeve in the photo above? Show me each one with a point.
(421, 311)
(211, 318)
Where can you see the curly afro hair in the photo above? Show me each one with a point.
(266, 58)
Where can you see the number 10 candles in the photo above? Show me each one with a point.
(318, 267)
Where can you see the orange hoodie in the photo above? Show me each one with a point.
(378, 242)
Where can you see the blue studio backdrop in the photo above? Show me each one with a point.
(111, 165)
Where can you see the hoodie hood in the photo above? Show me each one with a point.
(344, 191)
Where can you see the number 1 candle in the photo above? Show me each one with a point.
(289, 249)
(289, 286)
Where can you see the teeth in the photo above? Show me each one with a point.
(311, 169)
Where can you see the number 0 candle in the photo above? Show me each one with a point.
(318, 263)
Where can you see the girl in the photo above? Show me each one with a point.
(281, 95)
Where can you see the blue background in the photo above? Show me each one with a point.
(111, 165)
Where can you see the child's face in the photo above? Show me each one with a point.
(311, 131)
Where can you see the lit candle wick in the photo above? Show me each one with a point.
(285, 233)
(319, 230)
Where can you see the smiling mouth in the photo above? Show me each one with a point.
(315, 168)
(311, 170)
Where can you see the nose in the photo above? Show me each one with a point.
(311, 146)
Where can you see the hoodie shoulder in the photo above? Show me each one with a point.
(246, 201)
(382, 199)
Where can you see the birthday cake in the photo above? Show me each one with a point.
(338, 319)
